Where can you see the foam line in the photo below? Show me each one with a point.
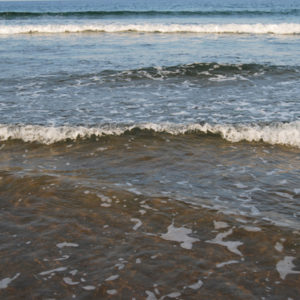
(258, 28)
(274, 133)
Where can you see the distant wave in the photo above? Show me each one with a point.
(210, 71)
(282, 28)
(274, 133)
(148, 13)
(196, 71)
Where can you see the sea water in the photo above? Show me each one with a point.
(150, 149)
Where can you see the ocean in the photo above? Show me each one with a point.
(150, 149)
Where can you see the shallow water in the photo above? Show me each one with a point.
(156, 214)
(84, 238)
(243, 178)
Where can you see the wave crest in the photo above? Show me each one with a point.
(280, 29)
(274, 133)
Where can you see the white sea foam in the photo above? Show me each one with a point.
(220, 225)
(196, 285)
(286, 266)
(172, 295)
(89, 287)
(274, 133)
(112, 277)
(61, 269)
(150, 296)
(6, 281)
(220, 265)
(230, 245)
(138, 223)
(278, 246)
(69, 281)
(251, 228)
(65, 244)
(112, 292)
(181, 235)
(64, 257)
(258, 28)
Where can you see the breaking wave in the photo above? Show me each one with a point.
(259, 28)
(275, 133)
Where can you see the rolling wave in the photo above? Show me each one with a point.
(259, 28)
(198, 70)
(148, 13)
(208, 73)
(275, 133)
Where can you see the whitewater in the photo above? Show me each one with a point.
(278, 133)
(259, 28)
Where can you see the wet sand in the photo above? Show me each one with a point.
(61, 240)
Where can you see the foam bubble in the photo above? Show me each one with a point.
(65, 244)
(181, 235)
(61, 269)
(240, 185)
(285, 267)
(251, 228)
(220, 265)
(150, 295)
(232, 246)
(173, 295)
(138, 223)
(6, 281)
(196, 285)
(64, 257)
(220, 225)
(69, 281)
(297, 191)
(89, 287)
(134, 191)
(73, 272)
(278, 246)
(112, 277)
(120, 266)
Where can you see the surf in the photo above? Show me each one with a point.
(278, 133)
(96, 27)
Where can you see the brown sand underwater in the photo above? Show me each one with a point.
(68, 234)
